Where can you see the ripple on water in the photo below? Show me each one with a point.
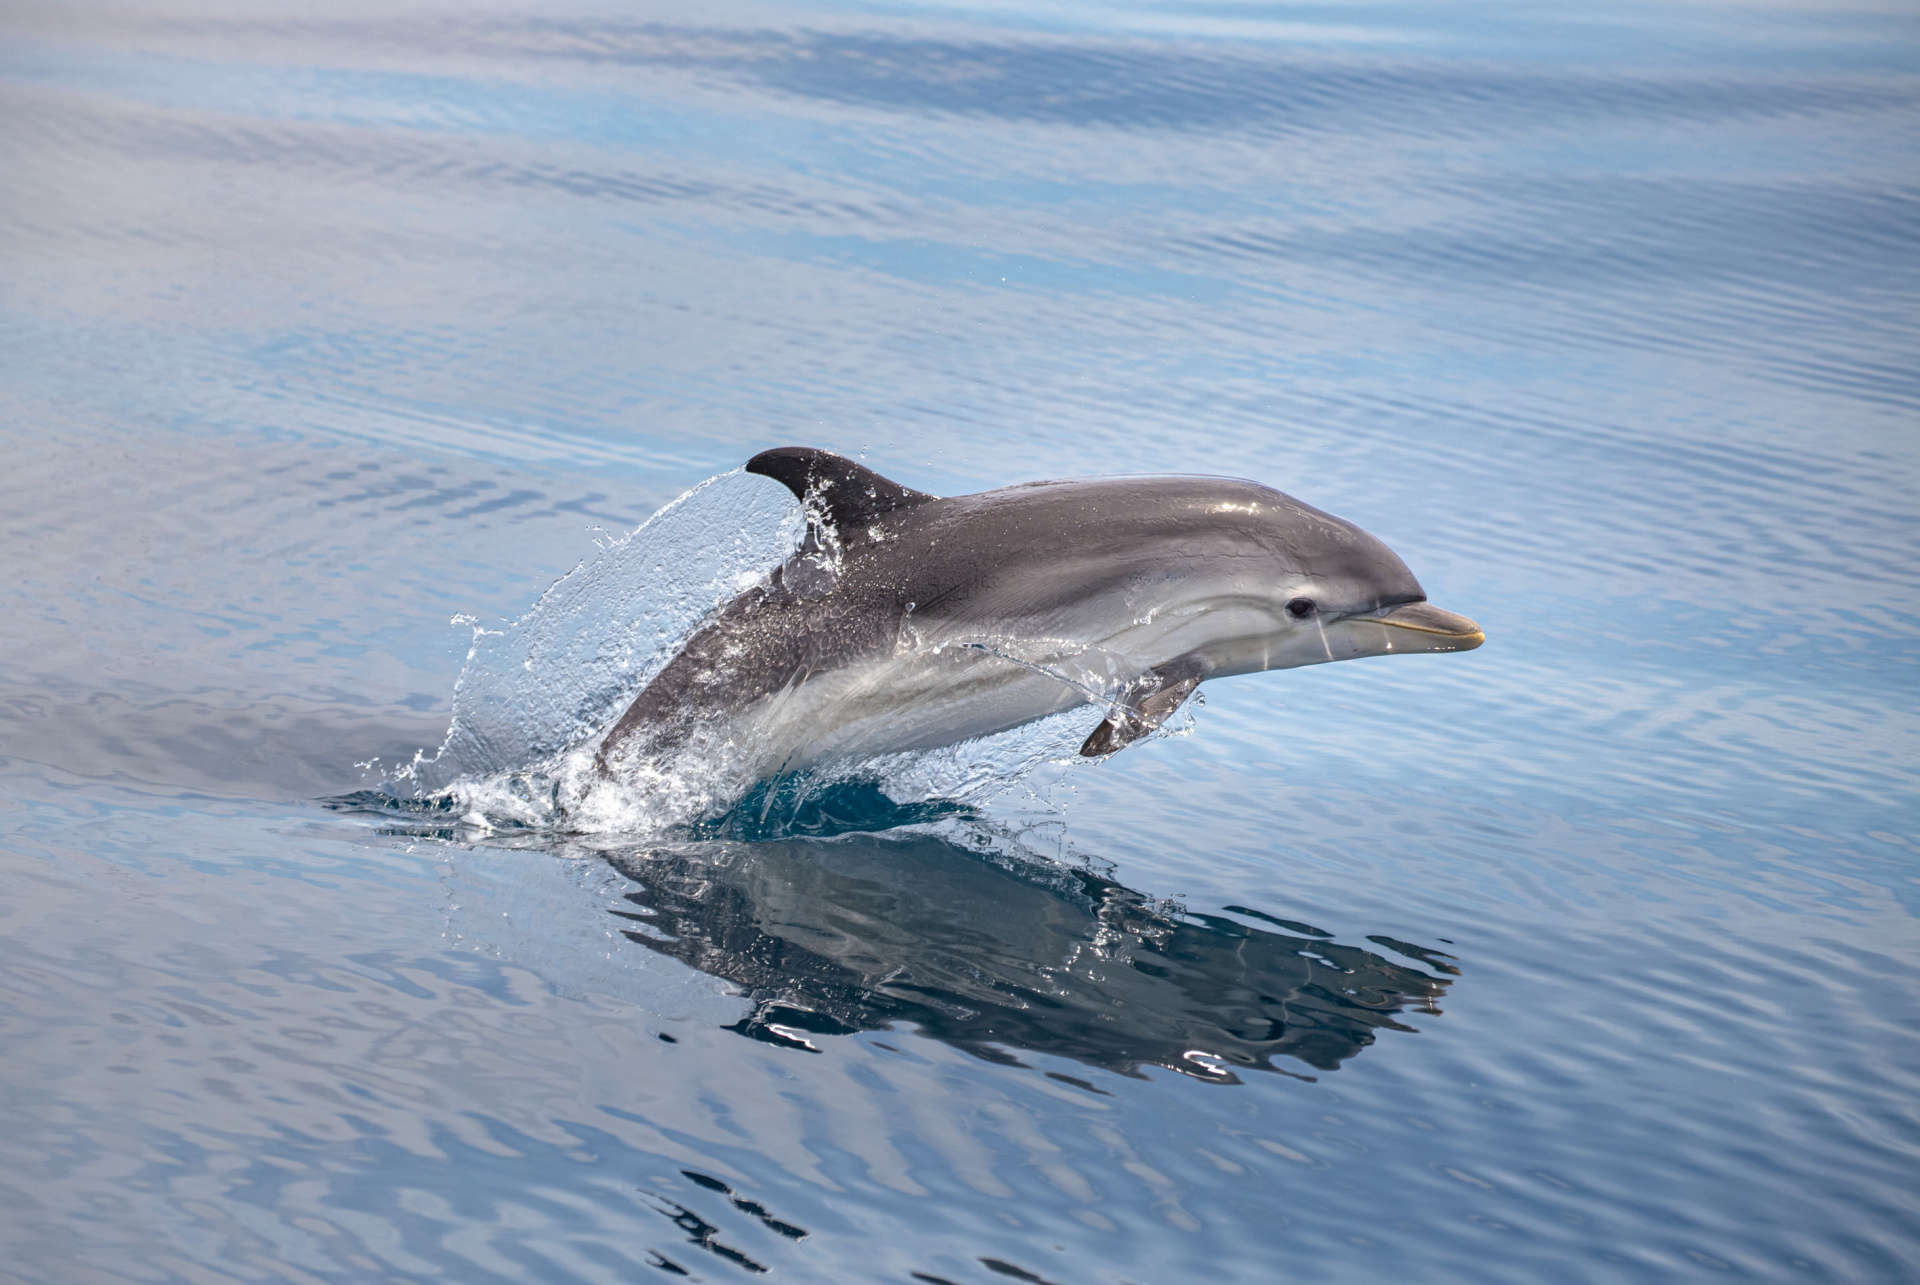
(321, 332)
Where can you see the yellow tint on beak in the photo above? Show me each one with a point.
(1446, 631)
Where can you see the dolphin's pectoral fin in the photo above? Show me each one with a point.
(1145, 705)
(850, 495)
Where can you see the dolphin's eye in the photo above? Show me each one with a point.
(1300, 608)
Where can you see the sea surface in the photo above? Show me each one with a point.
(331, 336)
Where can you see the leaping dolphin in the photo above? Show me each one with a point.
(908, 621)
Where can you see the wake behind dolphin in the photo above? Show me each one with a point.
(905, 624)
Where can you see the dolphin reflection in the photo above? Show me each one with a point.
(994, 953)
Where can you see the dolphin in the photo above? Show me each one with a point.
(907, 621)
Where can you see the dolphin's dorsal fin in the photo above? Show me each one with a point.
(850, 495)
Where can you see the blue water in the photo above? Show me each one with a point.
(1588, 956)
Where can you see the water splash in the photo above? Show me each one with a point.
(537, 687)
(536, 695)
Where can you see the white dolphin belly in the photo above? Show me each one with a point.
(923, 697)
(911, 701)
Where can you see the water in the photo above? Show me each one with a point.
(1590, 955)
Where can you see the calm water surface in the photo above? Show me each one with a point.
(1589, 956)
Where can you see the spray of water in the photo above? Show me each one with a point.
(535, 696)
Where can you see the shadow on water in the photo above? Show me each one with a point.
(831, 919)
(996, 954)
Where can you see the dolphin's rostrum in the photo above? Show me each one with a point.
(908, 621)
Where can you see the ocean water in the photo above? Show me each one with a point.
(1591, 955)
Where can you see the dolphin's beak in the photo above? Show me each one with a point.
(1430, 628)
